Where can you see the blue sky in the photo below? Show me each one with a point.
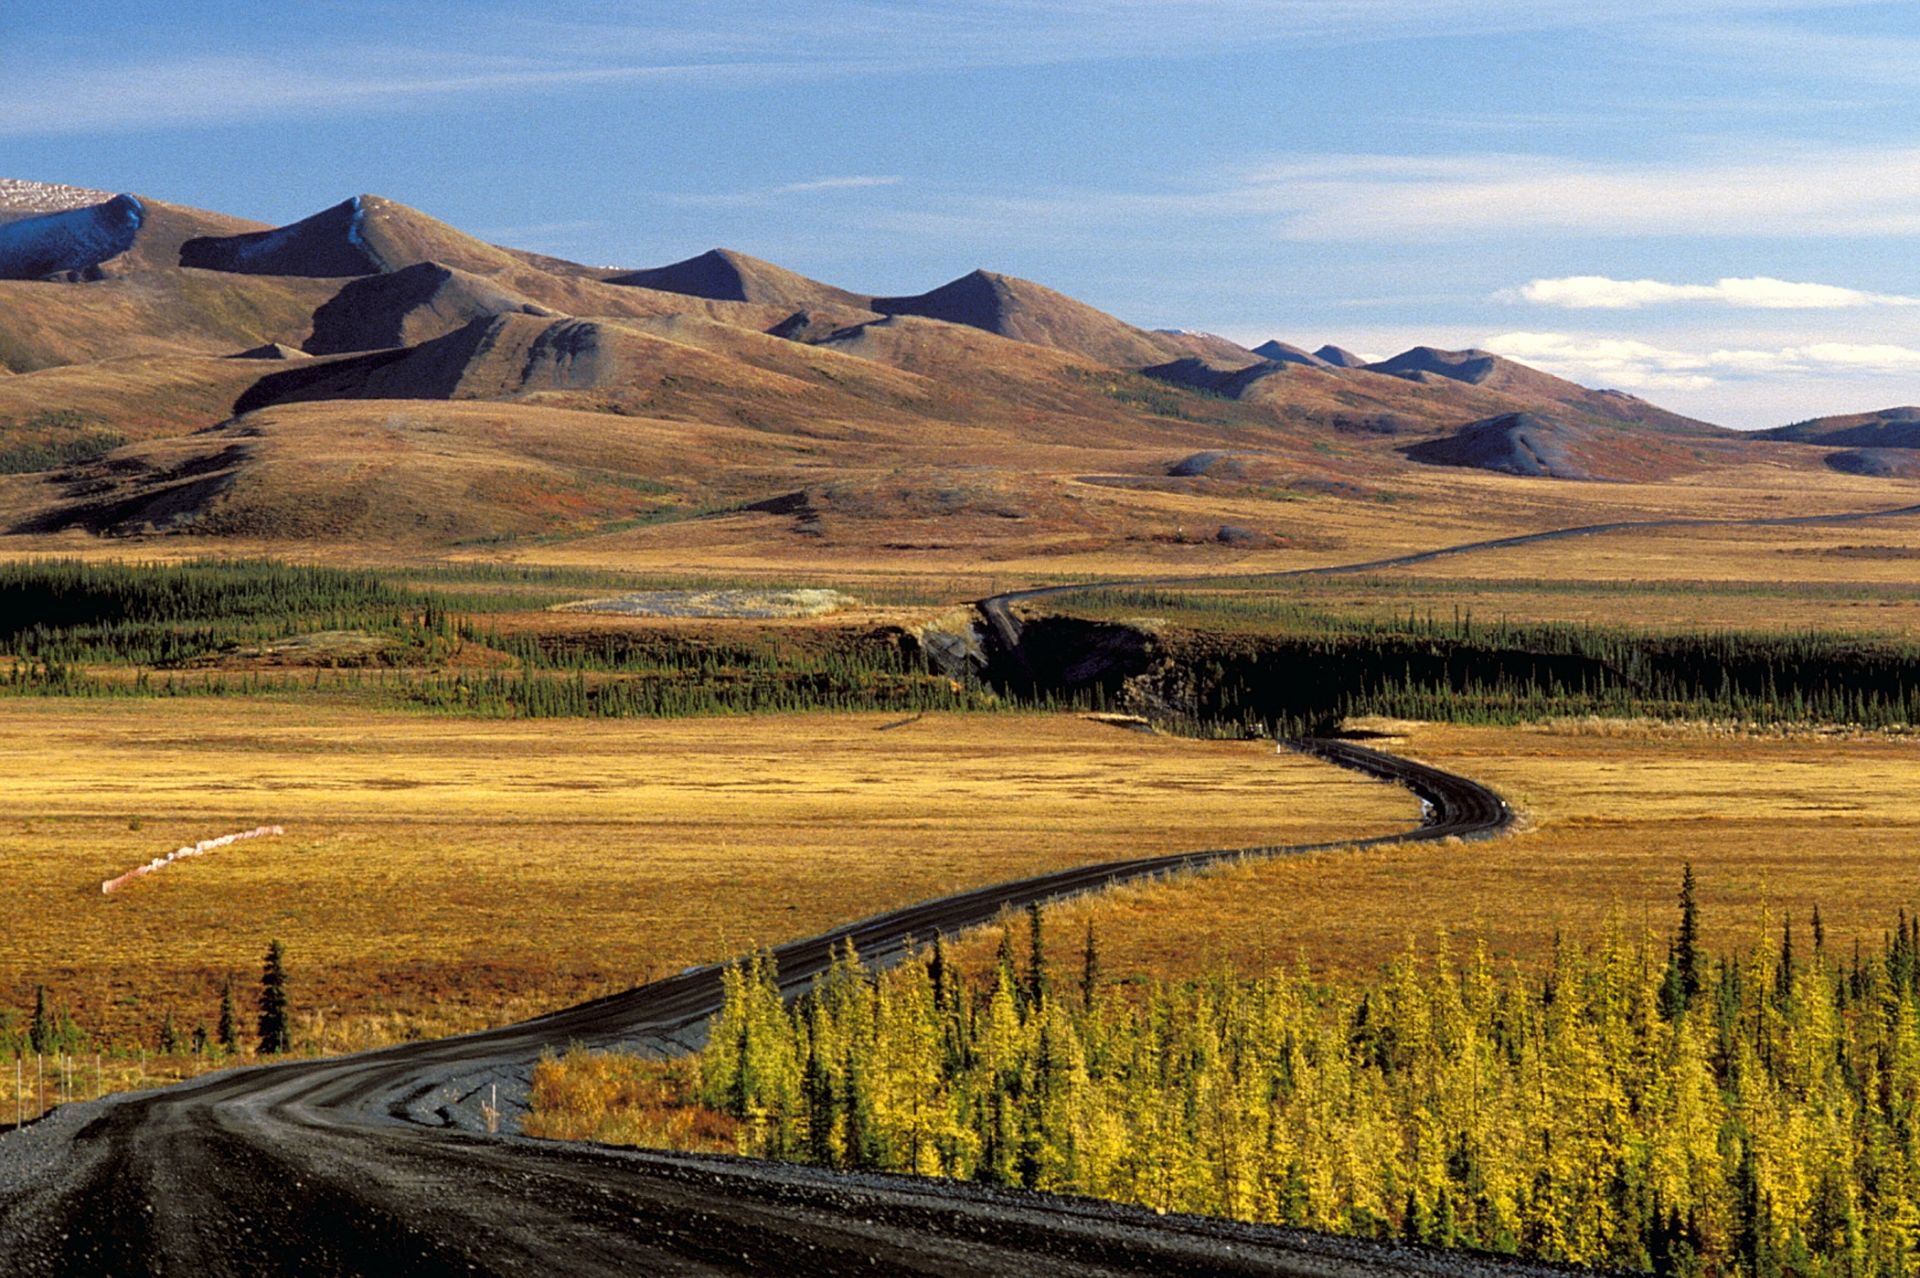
(1714, 203)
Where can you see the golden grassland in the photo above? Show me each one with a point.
(1611, 813)
(441, 874)
(1044, 514)
(1173, 533)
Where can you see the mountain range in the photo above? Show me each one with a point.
(370, 372)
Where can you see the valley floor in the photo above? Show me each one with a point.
(438, 875)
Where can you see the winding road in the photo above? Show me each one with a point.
(377, 1163)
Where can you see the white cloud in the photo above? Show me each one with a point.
(1758, 292)
(853, 183)
(1630, 364)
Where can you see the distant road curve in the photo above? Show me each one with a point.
(998, 609)
(373, 1164)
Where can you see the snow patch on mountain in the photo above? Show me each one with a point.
(20, 198)
(72, 243)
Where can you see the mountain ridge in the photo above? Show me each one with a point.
(989, 404)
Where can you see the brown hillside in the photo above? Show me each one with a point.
(121, 235)
(410, 306)
(141, 397)
(1029, 312)
(369, 235)
(603, 365)
(43, 325)
(1553, 448)
(1887, 428)
(391, 473)
(411, 386)
(1531, 386)
(1287, 353)
(365, 235)
(723, 275)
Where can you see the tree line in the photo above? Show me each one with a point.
(1639, 1104)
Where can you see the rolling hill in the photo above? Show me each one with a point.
(1887, 428)
(365, 235)
(1032, 313)
(1427, 364)
(1546, 447)
(1286, 353)
(409, 306)
(722, 275)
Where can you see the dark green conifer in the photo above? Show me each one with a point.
(1036, 957)
(40, 1029)
(1089, 969)
(1686, 946)
(228, 1027)
(276, 1030)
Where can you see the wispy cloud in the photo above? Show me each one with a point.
(856, 182)
(778, 196)
(1771, 190)
(1778, 191)
(218, 89)
(493, 49)
(1801, 51)
(1758, 292)
(1636, 365)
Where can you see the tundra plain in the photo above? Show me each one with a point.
(440, 875)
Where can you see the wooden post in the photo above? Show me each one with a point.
(19, 1101)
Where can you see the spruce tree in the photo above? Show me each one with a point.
(228, 1027)
(276, 1033)
(937, 972)
(1089, 969)
(1672, 995)
(1003, 962)
(1783, 975)
(1686, 946)
(169, 1037)
(1036, 957)
(40, 1029)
